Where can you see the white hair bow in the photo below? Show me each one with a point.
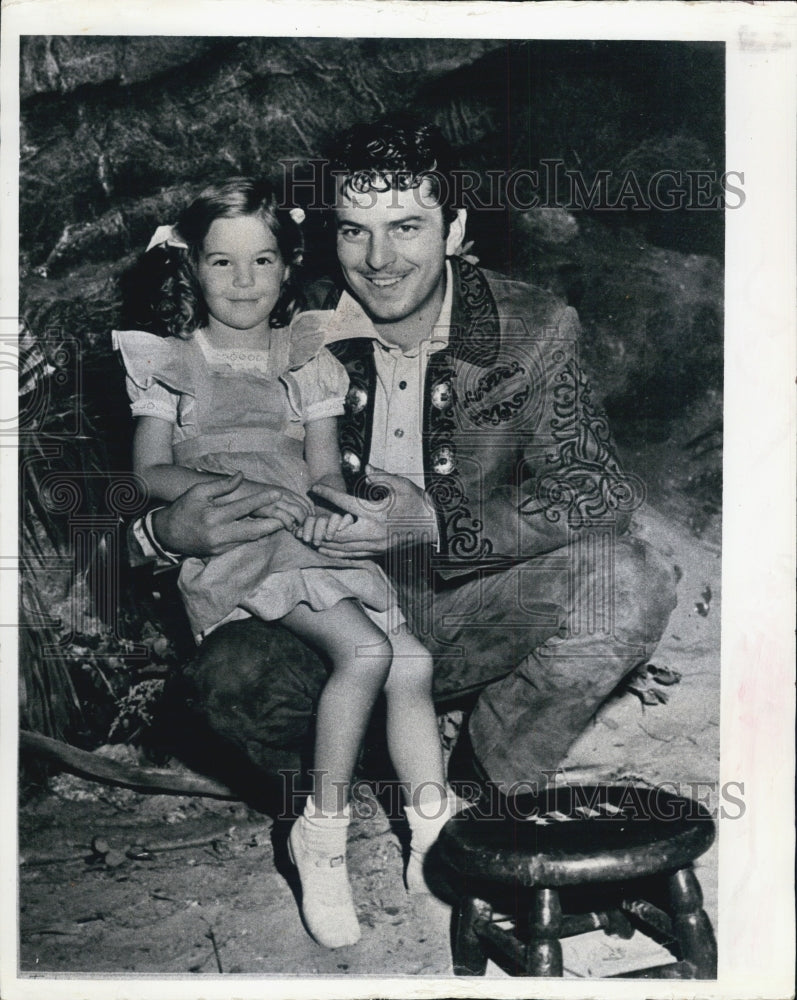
(166, 236)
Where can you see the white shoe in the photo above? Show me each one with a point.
(317, 846)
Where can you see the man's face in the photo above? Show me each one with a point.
(392, 249)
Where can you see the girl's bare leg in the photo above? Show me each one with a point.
(414, 744)
(413, 737)
(361, 657)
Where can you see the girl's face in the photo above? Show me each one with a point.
(240, 271)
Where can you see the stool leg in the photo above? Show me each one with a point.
(466, 949)
(544, 950)
(690, 924)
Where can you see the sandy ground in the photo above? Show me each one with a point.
(192, 886)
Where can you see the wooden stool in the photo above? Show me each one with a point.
(623, 850)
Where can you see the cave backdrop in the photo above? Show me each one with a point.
(117, 133)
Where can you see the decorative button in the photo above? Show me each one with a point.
(443, 461)
(351, 460)
(402, 384)
(441, 395)
(356, 399)
(398, 432)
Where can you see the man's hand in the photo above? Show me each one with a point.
(406, 507)
(211, 518)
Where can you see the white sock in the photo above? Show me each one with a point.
(426, 821)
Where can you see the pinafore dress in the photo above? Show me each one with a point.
(238, 410)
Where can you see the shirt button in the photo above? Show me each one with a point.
(402, 384)
(398, 432)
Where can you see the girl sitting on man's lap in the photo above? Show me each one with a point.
(224, 388)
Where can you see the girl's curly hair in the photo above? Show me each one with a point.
(161, 292)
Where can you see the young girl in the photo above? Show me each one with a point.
(228, 388)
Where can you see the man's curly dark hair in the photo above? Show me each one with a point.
(398, 152)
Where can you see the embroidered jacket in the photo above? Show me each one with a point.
(515, 455)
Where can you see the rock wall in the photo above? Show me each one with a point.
(117, 133)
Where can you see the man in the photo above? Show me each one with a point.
(478, 471)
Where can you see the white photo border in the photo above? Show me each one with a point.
(756, 892)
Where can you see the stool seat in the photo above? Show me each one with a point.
(629, 846)
(573, 834)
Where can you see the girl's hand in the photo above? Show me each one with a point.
(287, 506)
(313, 530)
(286, 514)
(336, 522)
(319, 528)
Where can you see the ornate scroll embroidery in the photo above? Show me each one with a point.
(585, 479)
(503, 408)
(476, 333)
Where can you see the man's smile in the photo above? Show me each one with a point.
(385, 280)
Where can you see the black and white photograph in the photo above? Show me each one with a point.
(392, 615)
